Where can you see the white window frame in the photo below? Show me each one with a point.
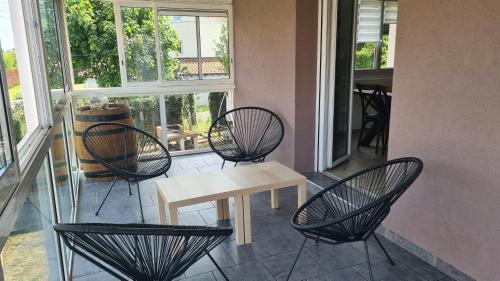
(30, 25)
(175, 9)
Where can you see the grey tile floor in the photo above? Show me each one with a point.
(360, 159)
(274, 246)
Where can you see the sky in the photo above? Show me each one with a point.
(6, 36)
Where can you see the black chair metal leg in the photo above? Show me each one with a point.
(129, 189)
(368, 261)
(361, 132)
(391, 261)
(223, 163)
(218, 267)
(140, 202)
(235, 164)
(166, 175)
(296, 259)
(106, 197)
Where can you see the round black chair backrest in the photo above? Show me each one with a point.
(355, 206)
(128, 152)
(142, 251)
(246, 134)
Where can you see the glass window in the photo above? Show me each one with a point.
(365, 55)
(18, 70)
(30, 252)
(376, 34)
(145, 111)
(214, 39)
(179, 63)
(190, 116)
(91, 26)
(71, 144)
(194, 47)
(389, 34)
(63, 187)
(138, 27)
(53, 58)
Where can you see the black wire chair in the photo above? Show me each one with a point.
(376, 108)
(141, 251)
(351, 209)
(246, 134)
(133, 155)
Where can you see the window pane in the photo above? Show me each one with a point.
(145, 111)
(365, 55)
(190, 116)
(389, 35)
(18, 70)
(64, 194)
(30, 252)
(100, 67)
(140, 46)
(50, 31)
(214, 47)
(179, 47)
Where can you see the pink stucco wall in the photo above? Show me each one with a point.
(446, 110)
(305, 83)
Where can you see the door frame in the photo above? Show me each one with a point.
(325, 85)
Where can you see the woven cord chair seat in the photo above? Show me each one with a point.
(127, 152)
(134, 154)
(139, 251)
(351, 209)
(246, 134)
(355, 206)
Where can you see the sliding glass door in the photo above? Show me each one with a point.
(335, 70)
(342, 97)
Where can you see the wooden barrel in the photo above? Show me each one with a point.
(59, 157)
(85, 118)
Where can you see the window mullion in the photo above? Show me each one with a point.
(198, 42)
(119, 40)
(378, 51)
(159, 61)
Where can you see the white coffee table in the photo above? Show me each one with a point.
(218, 186)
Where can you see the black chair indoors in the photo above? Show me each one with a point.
(351, 209)
(375, 104)
(246, 134)
(142, 252)
(134, 155)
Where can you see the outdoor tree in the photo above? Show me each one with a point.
(94, 49)
(217, 105)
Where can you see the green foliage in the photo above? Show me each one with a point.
(9, 59)
(51, 43)
(92, 33)
(365, 57)
(221, 48)
(174, 104)
(385, 51)
(92, 36)
(15, 93)
(216, 104)
(19, 120)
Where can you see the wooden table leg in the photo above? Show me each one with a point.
(275, 201)
(302, 193)
(182, 144)
(172, 215)
(222, 209)
(162, 215)
(243, 221)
